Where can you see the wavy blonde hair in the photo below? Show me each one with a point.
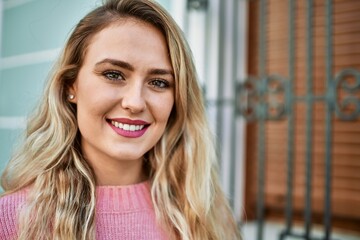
(182, 166)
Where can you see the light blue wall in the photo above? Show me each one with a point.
(33, 31)
(40, 24)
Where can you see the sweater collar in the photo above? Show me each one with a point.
(123, 198)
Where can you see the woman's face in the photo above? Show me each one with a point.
(124, 93)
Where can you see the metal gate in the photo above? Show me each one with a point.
(271, 97)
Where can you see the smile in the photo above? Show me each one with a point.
(127, 127)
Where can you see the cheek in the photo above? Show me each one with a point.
(163, 108)
(95, 98)
(91, 112)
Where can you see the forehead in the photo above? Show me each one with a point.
(128, 37)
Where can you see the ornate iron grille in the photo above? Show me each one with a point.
(271, 97)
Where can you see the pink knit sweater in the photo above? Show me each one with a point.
(124, 212)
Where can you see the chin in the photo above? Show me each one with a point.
(127, 157)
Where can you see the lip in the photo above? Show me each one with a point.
(128, 134)
(129, 121)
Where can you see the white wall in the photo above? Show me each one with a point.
(218, 38)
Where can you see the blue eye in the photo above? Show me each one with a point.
(159, 83)
(113, 75)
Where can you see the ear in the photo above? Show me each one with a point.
(71, 93)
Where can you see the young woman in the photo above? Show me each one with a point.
(119, 147)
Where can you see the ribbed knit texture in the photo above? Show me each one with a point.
(122, 212)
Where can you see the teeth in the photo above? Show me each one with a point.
(127, 127)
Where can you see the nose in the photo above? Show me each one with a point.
(133, 99)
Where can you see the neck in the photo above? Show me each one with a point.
(118, 173)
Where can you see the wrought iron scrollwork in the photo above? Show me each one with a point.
(347, 94)
(264, 98)
(197, 4)
(269, 98)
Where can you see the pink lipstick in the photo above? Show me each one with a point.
(127, 127)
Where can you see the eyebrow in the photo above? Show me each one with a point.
(128, 66)
(115, 62)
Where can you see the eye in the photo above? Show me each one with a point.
(114, 75)
(159, 83)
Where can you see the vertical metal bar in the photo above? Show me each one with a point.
(220, 93)
(290, 136)
(309, 112)
(262, 38)
(261, 122)
(261, 179)
(233, 119)
(328, 121)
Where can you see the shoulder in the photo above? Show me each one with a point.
(12, 201)
(9, 209)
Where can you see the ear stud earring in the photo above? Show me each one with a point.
(71, 96)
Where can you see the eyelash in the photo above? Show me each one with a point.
(159, 83)
(118, 76)
(108, 74)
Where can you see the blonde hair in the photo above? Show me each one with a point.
(182, 166)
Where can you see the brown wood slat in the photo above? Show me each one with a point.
(339, 126)
(317, 148)
(318, 138)
(277, 50)
(340, 173)
(345, 6)
(342, 208)
(346, 160)
(346, 184)
(346, 135)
